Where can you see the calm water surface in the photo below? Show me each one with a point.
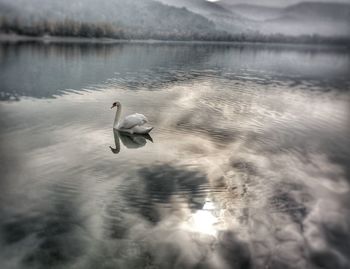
(248, 165)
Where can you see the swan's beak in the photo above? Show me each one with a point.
(113, 106)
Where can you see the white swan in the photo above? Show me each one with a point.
(132, 124)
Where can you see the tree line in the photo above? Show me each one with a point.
(70, 28)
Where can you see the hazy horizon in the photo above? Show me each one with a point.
(280, 3)
(164, 19)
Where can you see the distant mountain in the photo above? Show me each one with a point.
(136, 18)
(329, 19)
(253, 12)
(319, 11)
(224, 18)
(305, 18)
(175, 19)
(198, 6)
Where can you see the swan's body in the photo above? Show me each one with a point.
(132, 124)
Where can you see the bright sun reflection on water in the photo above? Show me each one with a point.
(203, 221)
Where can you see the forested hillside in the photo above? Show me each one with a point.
(177, 20)
(104, 18)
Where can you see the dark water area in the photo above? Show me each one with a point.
(247, 165)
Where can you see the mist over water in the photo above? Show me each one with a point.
(247, 167)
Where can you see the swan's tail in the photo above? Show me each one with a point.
(148, 130)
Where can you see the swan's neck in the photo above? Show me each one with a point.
(117, 116)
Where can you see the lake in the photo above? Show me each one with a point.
(248, 164)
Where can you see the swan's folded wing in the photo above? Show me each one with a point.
(133, 120)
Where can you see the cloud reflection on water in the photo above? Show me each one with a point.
(257, 165)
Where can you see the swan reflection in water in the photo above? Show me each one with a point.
(130, 141)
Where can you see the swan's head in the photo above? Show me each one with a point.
(115, 104)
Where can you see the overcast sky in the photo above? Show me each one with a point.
(280, 2)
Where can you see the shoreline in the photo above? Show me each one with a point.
(14, 38)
